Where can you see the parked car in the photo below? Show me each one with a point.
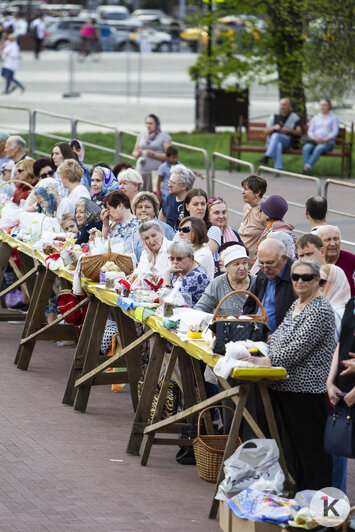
(112, 13)
(64, 34)
(159, 40)
(156, 16)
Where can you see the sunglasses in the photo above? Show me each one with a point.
(184, 229)
(306, 277)
(50, 173)
(213, 200)
(322, 282)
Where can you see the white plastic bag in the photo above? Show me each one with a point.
(9, 215)
(255, 464)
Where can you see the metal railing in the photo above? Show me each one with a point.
(116, 150)
(33, 134)
(204, 154)
(120, 152)
(217, 155)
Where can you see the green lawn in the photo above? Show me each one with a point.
(326, 166)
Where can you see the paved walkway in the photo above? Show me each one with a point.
(63, 470)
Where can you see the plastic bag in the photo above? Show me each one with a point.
(9, 216)
(254, 464)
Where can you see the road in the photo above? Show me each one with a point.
(120, 89)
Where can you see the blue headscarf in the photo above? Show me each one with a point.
(50, 195)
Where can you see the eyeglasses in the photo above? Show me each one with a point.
(322, 282)
(213, 200)
(50, 173)
(177, 259)
(306, 277)
(267, 264)
(19, 171)
(185, 229)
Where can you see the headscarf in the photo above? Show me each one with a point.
(337, 288)
(109, 182)
(91, 214)
(157, 130)
(287, 242)
(50, 195)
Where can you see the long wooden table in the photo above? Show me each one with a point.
(88, 369)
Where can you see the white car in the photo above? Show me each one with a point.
(158, 40)
(113, 13)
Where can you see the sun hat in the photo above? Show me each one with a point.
(233, 253)
(275, 206)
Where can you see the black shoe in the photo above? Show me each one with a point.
(20, 306)
(264, 160)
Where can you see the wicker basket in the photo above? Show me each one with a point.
(91, 266)
(209, 450)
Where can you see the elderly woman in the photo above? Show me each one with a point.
(322, 132)
(150, 148)
(154, 258)
(146, 205)
(185, 270)
(102, 183)
(194, 230)
(70, 172)
(87, 215)
(304, 344)
(335, 287)
(181, 180)
(50, 203)
(123, 228)
(23, 172)
(254, 219)
(235, 260)
(130, 182)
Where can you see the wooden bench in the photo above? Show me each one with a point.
(255, 133)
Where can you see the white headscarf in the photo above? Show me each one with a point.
(337, 291)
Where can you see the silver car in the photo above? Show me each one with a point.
(64, 34)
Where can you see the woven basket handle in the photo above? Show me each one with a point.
(263, 316)
(205, 410)
(108, 245)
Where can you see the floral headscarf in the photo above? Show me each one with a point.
(92, 211)
(109, 182)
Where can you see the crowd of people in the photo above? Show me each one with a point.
(174, 230)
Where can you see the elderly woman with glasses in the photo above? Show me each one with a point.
(304, 344)
(154, 257)
(184, 270)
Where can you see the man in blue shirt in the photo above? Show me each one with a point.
(273, 285)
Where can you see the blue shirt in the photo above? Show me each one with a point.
(164, 172)
(174, 211)
(269, 300)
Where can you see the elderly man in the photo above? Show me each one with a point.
(310, 246)
(15, 150)
(273, 283)
(131, 182)
(181, 180)
(3, 138)
(330, 235)
(284, 130)
(316, 211)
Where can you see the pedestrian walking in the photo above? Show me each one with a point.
(38, 29)
(11, 58)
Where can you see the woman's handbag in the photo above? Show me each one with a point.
(237, 328)
(338, 438)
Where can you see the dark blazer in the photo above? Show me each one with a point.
(284, 294)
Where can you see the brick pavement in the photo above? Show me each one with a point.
(57, 466)
(63, 470)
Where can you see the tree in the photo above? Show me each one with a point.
(308, 52)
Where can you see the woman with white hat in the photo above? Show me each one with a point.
(236, 263)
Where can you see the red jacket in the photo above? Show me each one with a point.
(20, 193)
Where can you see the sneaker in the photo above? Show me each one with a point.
(22, 307)
(264, 160)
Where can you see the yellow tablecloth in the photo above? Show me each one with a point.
(197, 349)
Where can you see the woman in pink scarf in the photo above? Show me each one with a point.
(335, 287)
